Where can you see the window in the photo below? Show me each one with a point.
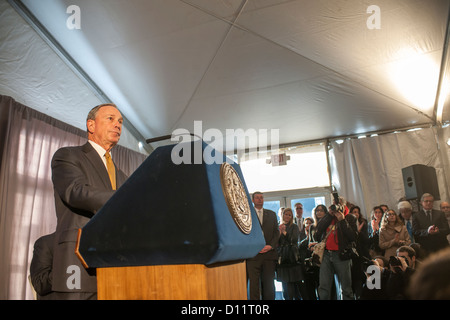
(309, 198)
(306, 167)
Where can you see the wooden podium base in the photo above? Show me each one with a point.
(173, 282)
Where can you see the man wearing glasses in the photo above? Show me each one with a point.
(430, 227)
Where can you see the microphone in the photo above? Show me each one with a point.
(169, 136)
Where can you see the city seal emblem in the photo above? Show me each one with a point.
(236, 197)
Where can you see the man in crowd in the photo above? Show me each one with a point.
(430, 227)
(299, 215)
(261, 268)
(445, 208)
(405, 210)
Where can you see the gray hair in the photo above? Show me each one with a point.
(404, 205)
(93, 113)
(426, 195)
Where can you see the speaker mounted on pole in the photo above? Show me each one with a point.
(419, 179)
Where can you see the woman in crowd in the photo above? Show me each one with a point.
(311, 271)
(362, 242)
(374, 231)
(319, 212)
(393, 234)
(362, 247)
(289, 268)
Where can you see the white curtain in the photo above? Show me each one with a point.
(368, 171)
(28, 140)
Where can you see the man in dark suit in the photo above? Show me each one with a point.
(430, 228)
(299, 215)
(41, 267)
(261, 268)
(84, 178)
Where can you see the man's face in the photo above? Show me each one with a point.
(427, 203)
(258, 200)
(406, 213)
(299, 211)
(407, 257)
(105, 130)
(445, 208)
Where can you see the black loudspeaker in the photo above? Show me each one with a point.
(419, 179)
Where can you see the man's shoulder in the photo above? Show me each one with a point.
(417, 214)
(71, 149)
(268, 211)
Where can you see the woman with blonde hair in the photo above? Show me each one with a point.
(393, 234)
(289, 269)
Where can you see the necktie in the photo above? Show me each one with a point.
(260, 216)
(429, 214)
(111, 170)
(408, 227)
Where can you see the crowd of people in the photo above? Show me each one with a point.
(388, 256)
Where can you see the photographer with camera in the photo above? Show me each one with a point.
(378, 293)
(341, 234)
(399, 277)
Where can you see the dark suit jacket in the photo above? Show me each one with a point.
(271, 235)
(41, 266)
(420, 224)
(81, 187)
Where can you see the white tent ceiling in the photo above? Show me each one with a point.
(312, 69)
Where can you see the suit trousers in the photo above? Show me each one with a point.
(261, 276)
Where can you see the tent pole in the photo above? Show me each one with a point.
(439, 101)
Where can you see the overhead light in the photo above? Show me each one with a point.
(416, 76)
(448, 142)
(414, 129)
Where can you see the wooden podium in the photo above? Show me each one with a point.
(174, 232)
(173, 282)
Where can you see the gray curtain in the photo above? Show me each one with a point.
(368, 171)
(28, 140)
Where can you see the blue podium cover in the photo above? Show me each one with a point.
(168, 213)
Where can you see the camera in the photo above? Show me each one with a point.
(308, 263)
(395, 261)
(337, 205)
(311, 263)
(366, 262)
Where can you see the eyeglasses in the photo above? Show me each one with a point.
(390, 214)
